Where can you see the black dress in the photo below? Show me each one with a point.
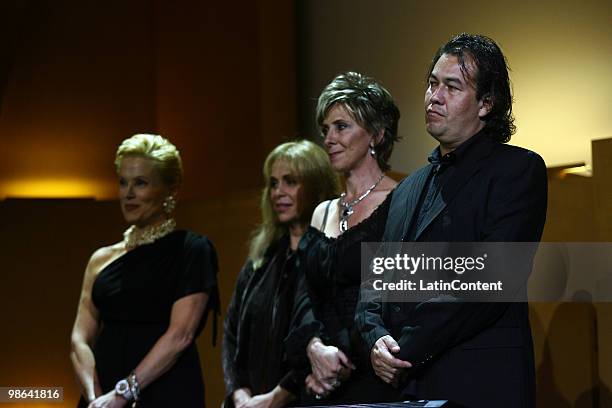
(134, 296)
(257, 322)
(332, 267)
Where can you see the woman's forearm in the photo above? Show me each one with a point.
(162, 356)
(184, 321)
(281, 396)
(84, 365)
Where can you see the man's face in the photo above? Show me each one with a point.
(452, 112)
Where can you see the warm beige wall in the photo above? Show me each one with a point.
(572, 340)
(559, 51)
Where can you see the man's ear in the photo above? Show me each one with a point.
(486, 104)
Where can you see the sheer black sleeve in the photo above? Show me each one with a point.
(233, 379)
(312, 255)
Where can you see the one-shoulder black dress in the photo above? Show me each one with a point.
(134, 296)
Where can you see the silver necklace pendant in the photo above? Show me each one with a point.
(347, 208)
(343, 225)
(347, 211)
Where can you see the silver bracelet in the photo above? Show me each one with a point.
(134, 386)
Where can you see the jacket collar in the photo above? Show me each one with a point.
(468, 159)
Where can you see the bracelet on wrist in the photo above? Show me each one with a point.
(134, 385)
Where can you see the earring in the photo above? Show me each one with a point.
(372, 151)
(169, 204)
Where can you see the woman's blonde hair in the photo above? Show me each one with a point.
(160, 150)
(310, 165)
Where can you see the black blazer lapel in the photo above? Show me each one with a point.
(438, 205)
(403, 204)
(470, 164)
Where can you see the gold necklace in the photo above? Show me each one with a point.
(134, 237)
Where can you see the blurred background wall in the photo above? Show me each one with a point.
(226, 82)
(558, 52)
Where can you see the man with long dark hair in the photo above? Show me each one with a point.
(475, 189)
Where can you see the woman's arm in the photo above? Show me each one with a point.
(184, 320)
(304, 344)
(85, 330)
(277, 398)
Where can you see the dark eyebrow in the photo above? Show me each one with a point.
(454, 80)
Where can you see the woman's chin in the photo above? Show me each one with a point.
(287, 220)
(129, 220)
(136, 221)
(342, 166)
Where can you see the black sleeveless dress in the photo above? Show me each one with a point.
(134, 296)
(332, 267)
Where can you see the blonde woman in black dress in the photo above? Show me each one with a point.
(297, 176)
(145, 299)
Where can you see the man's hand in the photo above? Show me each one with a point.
(387, 367)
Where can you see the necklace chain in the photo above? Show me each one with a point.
(347, 208)
(134, 236)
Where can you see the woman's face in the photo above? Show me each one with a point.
(347, 143)
(141, 191)
(285, 192)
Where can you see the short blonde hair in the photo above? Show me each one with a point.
(156, 148)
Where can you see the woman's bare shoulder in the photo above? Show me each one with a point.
(319, 212)
(105, 255)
